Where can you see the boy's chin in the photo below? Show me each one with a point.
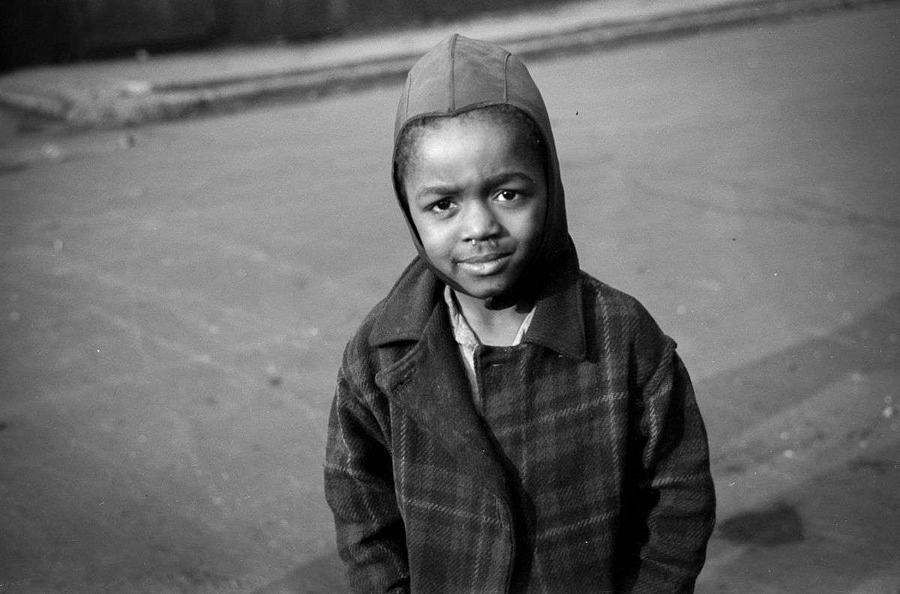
(489, 293)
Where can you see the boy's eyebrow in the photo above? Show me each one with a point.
(494, 180)
(441, 189)
(505, 176)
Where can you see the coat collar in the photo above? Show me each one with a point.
(558, 322)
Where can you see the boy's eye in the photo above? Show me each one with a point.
(507, 195)
(441, 206)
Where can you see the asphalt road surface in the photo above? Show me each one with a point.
(174, 301)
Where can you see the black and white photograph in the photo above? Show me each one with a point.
(544, 296)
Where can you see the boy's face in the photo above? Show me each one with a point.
(477, 195)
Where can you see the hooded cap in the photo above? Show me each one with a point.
(462, 74)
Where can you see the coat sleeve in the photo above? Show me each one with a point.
(676, 491)
(359, 488)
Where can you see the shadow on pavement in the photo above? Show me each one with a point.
(826, 533)
(324, 575)
(805, 454)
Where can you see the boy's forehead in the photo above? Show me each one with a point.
(477, 126)
(487, 137)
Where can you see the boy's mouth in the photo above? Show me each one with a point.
(484, 264)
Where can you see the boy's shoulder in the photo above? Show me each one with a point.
(614, 301)
(612, 314)
(596, 289)
(400, 315)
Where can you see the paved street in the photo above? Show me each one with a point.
(174, 300)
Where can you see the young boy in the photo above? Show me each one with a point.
(502, 420)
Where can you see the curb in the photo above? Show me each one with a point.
(140, 103)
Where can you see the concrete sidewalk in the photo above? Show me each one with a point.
(131, 91)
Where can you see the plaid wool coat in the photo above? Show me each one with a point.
(586, 470)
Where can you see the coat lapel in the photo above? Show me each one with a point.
(430, 385)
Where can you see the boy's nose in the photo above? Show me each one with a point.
(479, 221)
